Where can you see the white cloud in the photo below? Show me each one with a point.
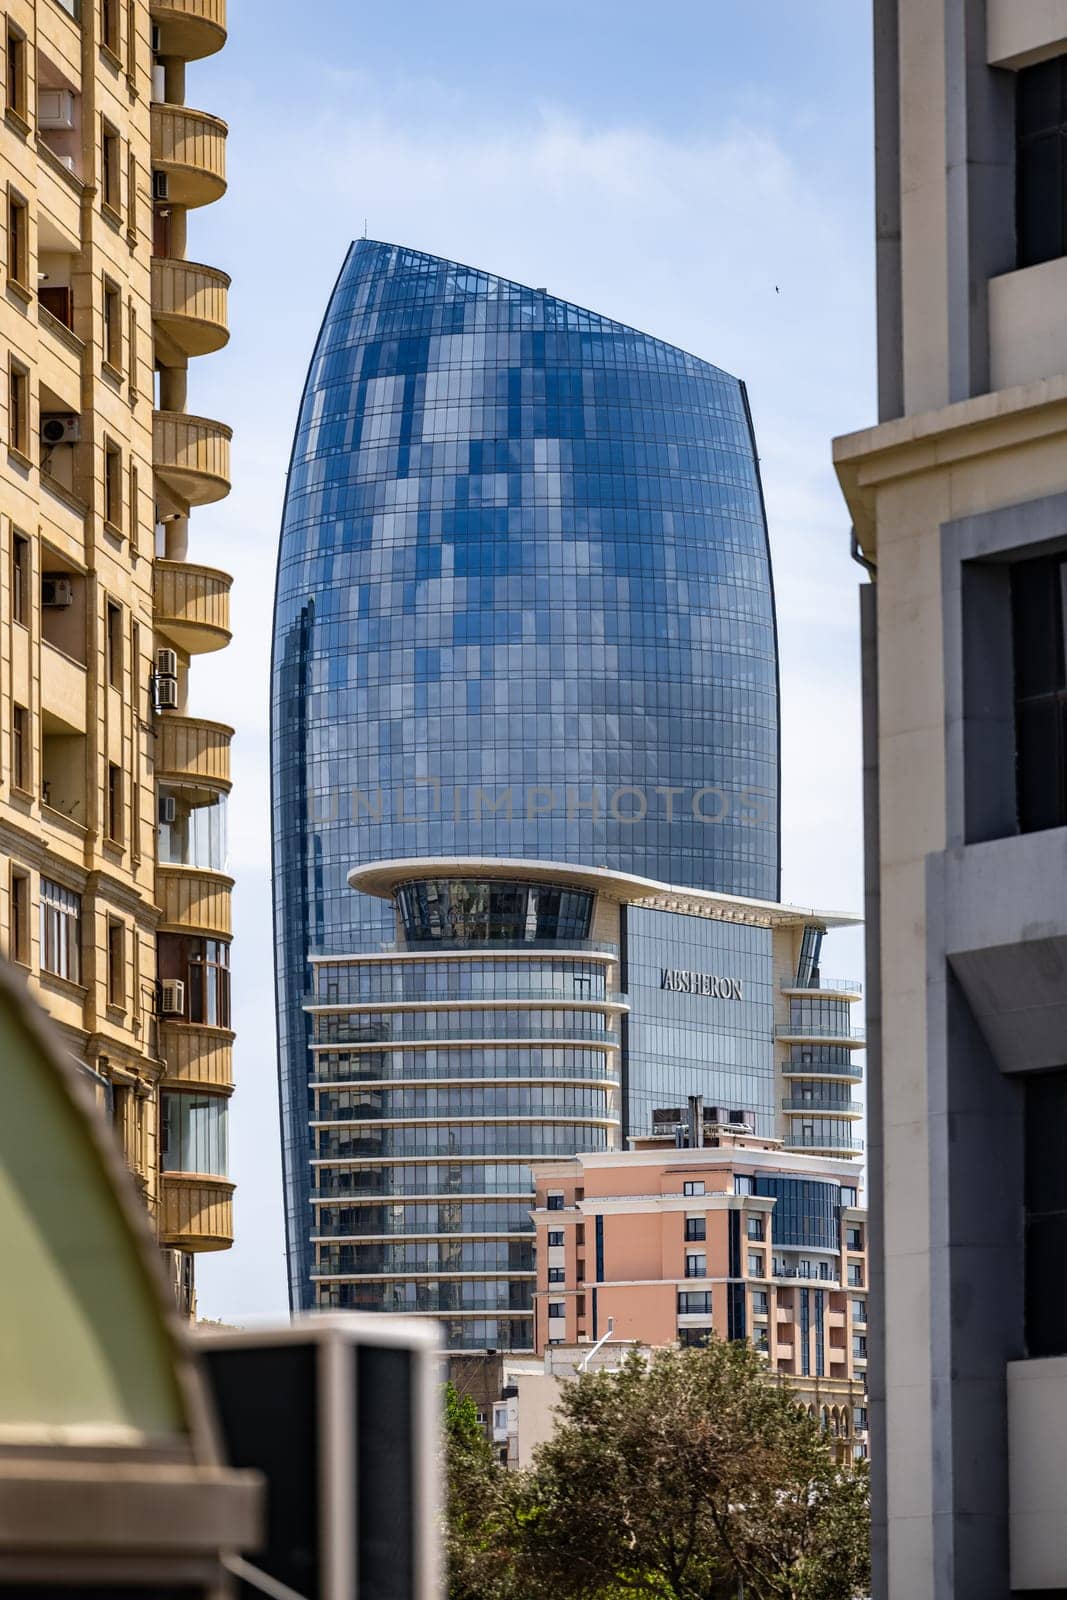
(720, 243)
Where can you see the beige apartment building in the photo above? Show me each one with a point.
(959, 504)
(114, 897)
(736, 1237)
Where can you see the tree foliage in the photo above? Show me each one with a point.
(684, 1476)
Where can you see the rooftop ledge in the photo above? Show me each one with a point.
(381, 878)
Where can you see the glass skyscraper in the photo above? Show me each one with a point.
(524, 614)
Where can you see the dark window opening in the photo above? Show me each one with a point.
(1041, 162)
(1045, 1185)
(1038, 611)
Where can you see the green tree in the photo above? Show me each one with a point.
(685, 1477)
(481, 1535)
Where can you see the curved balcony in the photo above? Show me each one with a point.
(189, 305)
(190, 147)
(193, 900)
(823, 1107)
(852, 1070)
(196, 1056)
(192, 456)
(197, 1212)
(191, 29)
(192, 606)
(815, 1033)
(191, 750)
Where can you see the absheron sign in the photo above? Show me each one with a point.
(700, 983)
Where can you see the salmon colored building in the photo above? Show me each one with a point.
(740, 1238)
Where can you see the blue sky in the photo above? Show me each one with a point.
(698, 168)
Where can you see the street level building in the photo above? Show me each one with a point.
(114, 897)
(525, 1010)
(735, 1237)
(959, 503)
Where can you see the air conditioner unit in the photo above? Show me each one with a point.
(160, 186)
(168, 809)
(172, 997)
(55, 109)
(166, 663)
(56, 593)
(60, 427)
(166, 694)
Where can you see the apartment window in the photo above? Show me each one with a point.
(109, 168)
(760, 1303)
(20, 748)
(131, 40)
(114, 644)
(1038, 613)
(133, 508)
(755, 1263)
(20, 578)
(693, 1338)
(744, 1185)
(1045, 1213)
(694, 1302)
(116, 963)
(20, 917)
(18, 241)
(557, 1275)
(112, 485)
(1041, 161)
(696, 1228)
(209, 982)
(557, 1308)
(18, 408)
(17, 79)
(859, 1418)
(112, 311)
(114, 803)
(859, 1346)
(555, 1202)
(696, 1264)
(853, 1238)
(855, 1275)
(755, 1227)
(693, 1186)
(859, 1311)
(193, 1134)
(760, 1340)
(109, 26)
(849, 1196)
(555, 1238)
(61, 911)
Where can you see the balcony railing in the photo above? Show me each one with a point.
(199, 1057)
(195, 902)
(192, 606)
(825, 986)
(489, 947)
(852, 1070)
(820, 1032)
(197, 1212)
(829, 1108)
(190, 29)
(190, 148)
(801, 1141)
(193, 750)
(189, 305)
(192, 456)
(460, 1034)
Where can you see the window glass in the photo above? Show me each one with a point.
(60, 930)
(192, 828)
(194, 1133)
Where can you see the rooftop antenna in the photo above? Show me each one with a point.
(364, 227)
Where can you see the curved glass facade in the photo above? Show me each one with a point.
(524, 609)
